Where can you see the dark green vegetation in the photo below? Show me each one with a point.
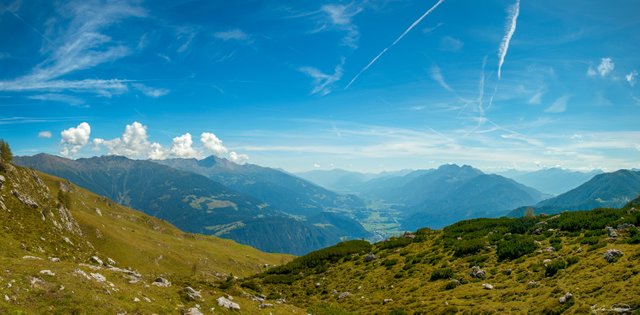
(612, 190)
(5, 151)
(199, 204)
(527, 263)
(50, 229)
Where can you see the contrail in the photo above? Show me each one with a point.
(394, 43)
(504, 46)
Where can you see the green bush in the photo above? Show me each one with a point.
(515, 247)
(572, 260)
(394, 243)
(553, 267)
(389, 262)
(441, 273)
(468, 247)
(5, 151)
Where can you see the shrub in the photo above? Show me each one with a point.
(318, 260)
(515, 247)
(572, 260)
(553, 267)
(441, 273)
(389, 262)
(252, 285)
(5, 151)
(394, 243)
(451, 285)
(468, 247)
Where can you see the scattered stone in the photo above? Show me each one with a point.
(258, 298)
(25, 199)
(533, 284)
(36, 282)
(54, 259)
(161, 282)
(82, 273)
(265, 305)
(385, 301)
(98, 212)
(98, 277)
(549, 249)
(31, 257)
(621, 308)
(2, 180)
(281, 301)
(369, 257)
(476, 272)
(111, 261)
(546, 261)
(96, 260)
(6, 298)
(487, 286)
(148, 300)
(228, 304)
(343, 295)
(612, 255)
(47, 272)
(318, 284)
(192, 294)
(612, 232)
(192, 311)
(136, 300)
(624, 226)
(565, 298)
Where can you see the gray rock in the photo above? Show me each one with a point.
(533, 284)
(476, 272)
(25, 199)
(47, 272)
(161, 282)
(228, 304)
(96, 260)
(192, 294)
(621, 308)
(2, 180)
(612, 255)
(487, 286)
(369, 257)
(264, 305)
(625, 226)
(385, 301)
(111, 261)
(192, 311)
(564, 299)
(612, 232)
(343, 295)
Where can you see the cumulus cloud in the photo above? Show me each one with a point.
(213, 144)
(238, 158)
(44, 134)
(134, 143)
(559, 106)
(182, 147)
(605, 67)
(73, 139)
(631, 77)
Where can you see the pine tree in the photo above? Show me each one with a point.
(5, 151)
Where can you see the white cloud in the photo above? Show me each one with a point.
(316, 165)
(212, 143)
(514, 11)
(559, 106)
(182, 147)
(451, 44)
(233, 34)
(150, 91)
(61, 98)
(323, 82)
(238, 158)
(73, 139)
(44, 134)
(340, 17)
(605, 67)
(436, 74)
(536, 98)
(631, 77)
(134, 143)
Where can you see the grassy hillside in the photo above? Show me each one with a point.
(51, 230)
(481, 266)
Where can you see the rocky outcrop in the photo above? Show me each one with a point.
(487, 286)
(25, 199)
(228, 304)
(192, 311)
(611, 232)
(565, 298)
(191, 294)
(476, 272)
(161, 282)
(612, 255)
(343, 295)
(369, 257)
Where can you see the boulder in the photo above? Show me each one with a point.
(369, 257)
(161, 282)
(192, 294)
(476, 272)
(98, 277)
(533, 284)
(111, 261)
(612, 232)
(228, 304)
(192, 311)
(625, 226)
(385, 301)
(621, 308)
(611, 255)
(2, 180)
(487, 286)
(564, 299)
(96, 260)
(47, 272)
(25, 199)
(343, 295)
(264, 305)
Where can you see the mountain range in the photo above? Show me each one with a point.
(554, 181)
(611, 190)
(198, 204)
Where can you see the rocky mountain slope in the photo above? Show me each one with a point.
(65, 250)
(196, 203)
(584, 262)
(605, 190)
(553, 180)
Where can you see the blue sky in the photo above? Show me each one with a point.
(362, 85)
